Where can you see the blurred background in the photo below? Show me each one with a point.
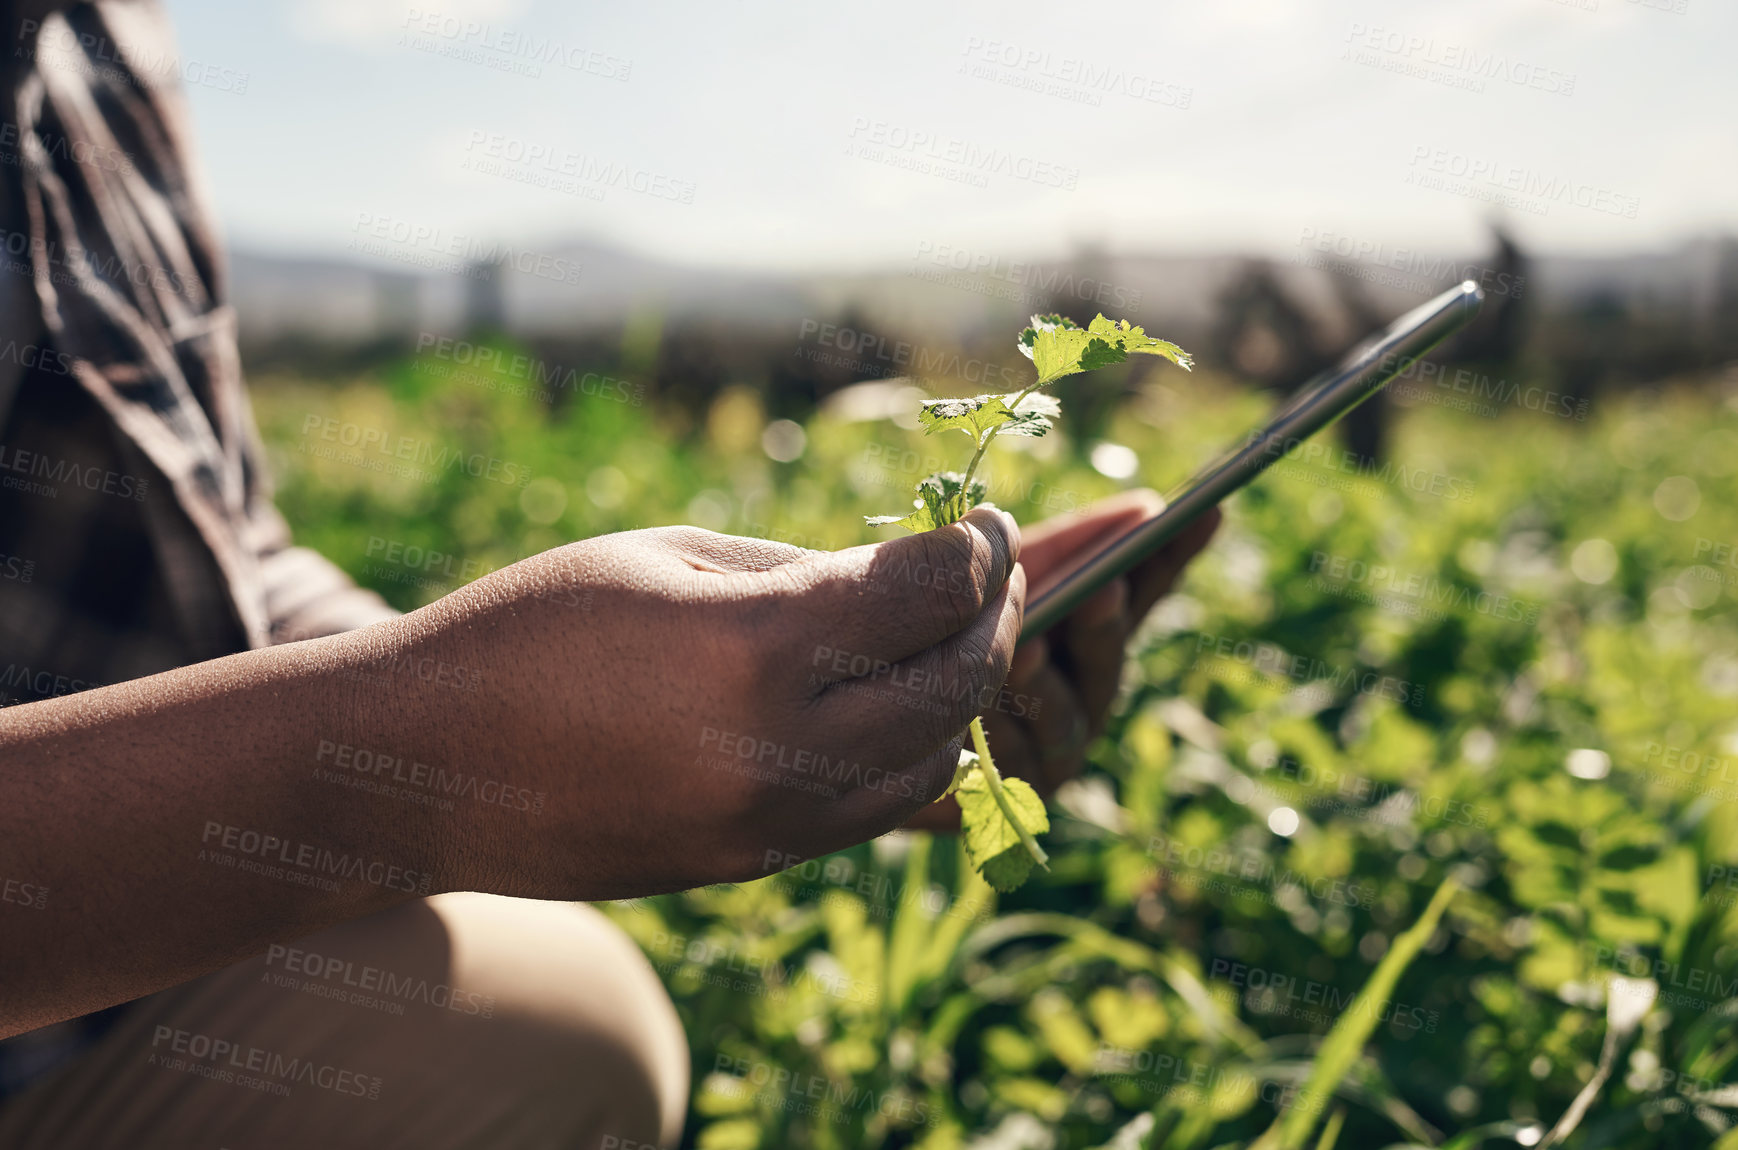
(695, 263)
(1259, 180)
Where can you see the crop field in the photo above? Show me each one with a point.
(1416, 824)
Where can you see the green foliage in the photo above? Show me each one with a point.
(1019, 414)
(1058, 347)
(942, 498)
(992, 838)
(1172, 979)
(1344, 1045)
(1002, 818)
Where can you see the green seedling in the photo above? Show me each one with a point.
(1001, 818)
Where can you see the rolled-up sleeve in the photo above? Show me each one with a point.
(307, 596)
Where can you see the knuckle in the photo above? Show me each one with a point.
(975, 659)
(751, 554)
(956, 591)
(982, 668)
(690, 540)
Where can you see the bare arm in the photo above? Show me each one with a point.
(127, 809)
(616, 717)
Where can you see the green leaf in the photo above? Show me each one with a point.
(968, 763)
(1135, 341)
(1033, 415)
(941, 500)
(974, 415)
(1029, 337)
(1059, 347)
(1008, 870)
(992, 842)
(918, 521)
(1059, 352)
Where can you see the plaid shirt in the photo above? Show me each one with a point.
(137, 532)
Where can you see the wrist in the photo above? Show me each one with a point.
(375, 757)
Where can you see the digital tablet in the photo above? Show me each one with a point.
(1318, 404)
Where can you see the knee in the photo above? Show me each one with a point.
(570, 985)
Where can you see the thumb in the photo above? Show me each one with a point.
(889, 600)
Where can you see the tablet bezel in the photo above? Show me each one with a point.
(1317, 405)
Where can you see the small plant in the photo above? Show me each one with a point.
(1000, 818)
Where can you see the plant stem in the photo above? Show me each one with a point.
(993, 779)
(972, 467)
(980, 742)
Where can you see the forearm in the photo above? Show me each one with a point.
(169, 826)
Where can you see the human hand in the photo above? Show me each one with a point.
(1061, 685)
(697, 708)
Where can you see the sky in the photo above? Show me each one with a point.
(780, 136)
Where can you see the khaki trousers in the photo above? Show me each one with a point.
(464, 1020)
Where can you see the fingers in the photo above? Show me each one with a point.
(1055, 541)
(877, 812)
(1054, 734)
(1088, 650)
(1154, 577)
(1083, 673)
(889, 601)
(907, 709)
(1039, 736)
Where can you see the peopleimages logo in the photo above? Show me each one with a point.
(428, 245)
(423, 453)
(59, 46)
(373, 980)
(562, 169)
(1081, 81)
(1363, 797)
(1290, 451)
(511, 44)
(541, 376)
(310, 860)
(1282, 993)
(256, 1066)
(820, 1095)
(1272, 659)
(778, 761)
(1381, 584)
(427, 560)
(32, 895)
(44, 470)
(850, 671)
(1460, 65)
(44, 684)
(1444, 169)
(398, 769)
(1415, 269)
(873, 354)
(1255, 869)
(1026, 278)
(980, 163)
(58, 147)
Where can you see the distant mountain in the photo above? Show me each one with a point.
(580, 287)
(570, 287)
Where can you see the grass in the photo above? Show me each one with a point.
(1505, 669)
